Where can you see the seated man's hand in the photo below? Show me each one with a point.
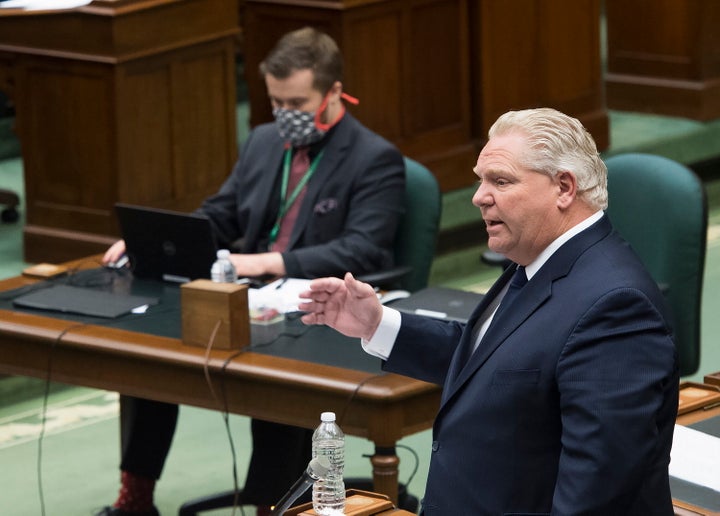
(261, 264)
(114, 253)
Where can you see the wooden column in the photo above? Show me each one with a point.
(406, 60)
(121, 100)
(535, 53)
(664, 57)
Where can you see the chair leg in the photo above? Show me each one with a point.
(11, 200)
(208, 503)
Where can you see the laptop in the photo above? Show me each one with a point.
(440, 302)
(166, 245)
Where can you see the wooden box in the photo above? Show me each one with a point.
(207, 305)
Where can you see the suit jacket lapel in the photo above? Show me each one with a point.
(467, 341)
(264, 183)
(533, 295)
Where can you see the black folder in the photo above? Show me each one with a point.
(84, 301)
(440, 302)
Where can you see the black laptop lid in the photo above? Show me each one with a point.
(166, 245)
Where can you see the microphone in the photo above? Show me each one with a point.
(317, 469)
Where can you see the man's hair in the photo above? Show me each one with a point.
(558, 142)
(302, 49)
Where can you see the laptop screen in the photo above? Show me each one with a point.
(166, 245)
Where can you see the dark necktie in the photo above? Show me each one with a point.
(517, 282)
(298, 168)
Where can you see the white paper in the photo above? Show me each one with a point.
(43, 5)
(695, 457)
(282, 294)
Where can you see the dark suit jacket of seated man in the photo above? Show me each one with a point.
(347, 220)
(563, 399)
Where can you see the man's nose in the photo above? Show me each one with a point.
(482, 196)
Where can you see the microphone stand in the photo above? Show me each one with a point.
(317, 469)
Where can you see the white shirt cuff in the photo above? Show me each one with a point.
(382, 342)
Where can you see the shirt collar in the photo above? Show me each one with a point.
(545, 255)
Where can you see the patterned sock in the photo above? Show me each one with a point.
(136, 493)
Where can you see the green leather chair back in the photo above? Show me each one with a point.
(659, 207)
(417, 234)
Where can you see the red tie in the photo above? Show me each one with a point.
(298, 168)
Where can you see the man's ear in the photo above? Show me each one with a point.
(567, 188)
(335, 91)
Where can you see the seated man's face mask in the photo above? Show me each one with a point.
(297, 127)
(302, 128)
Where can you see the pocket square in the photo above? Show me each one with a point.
(325, 206)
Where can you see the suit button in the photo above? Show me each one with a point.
(435, 446)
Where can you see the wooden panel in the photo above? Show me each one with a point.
(206, 82)
(176, 117)
(373, 71)
(670, 66)
(121, 100)
(144, 101)
(531, 53)
(67, 161)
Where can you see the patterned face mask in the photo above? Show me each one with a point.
(297, 127)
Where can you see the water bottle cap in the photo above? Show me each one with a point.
(327, 417)
(223, 253)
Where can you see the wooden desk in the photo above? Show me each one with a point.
(380, 407)
(683, 508)
(358, 503)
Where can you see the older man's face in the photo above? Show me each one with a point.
(519, 206)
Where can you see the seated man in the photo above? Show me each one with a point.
(313, 194)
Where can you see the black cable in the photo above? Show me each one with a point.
(341, 416)
(417, 462)
(226, 418)
(224, 409)
(43, 414)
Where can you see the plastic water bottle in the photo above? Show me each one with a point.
(223, 271)
(328, 495)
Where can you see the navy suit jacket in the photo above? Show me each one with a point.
(569, 403)
(350, 212)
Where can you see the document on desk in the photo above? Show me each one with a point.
(695, 457)
(43, 5)
(282, 294)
